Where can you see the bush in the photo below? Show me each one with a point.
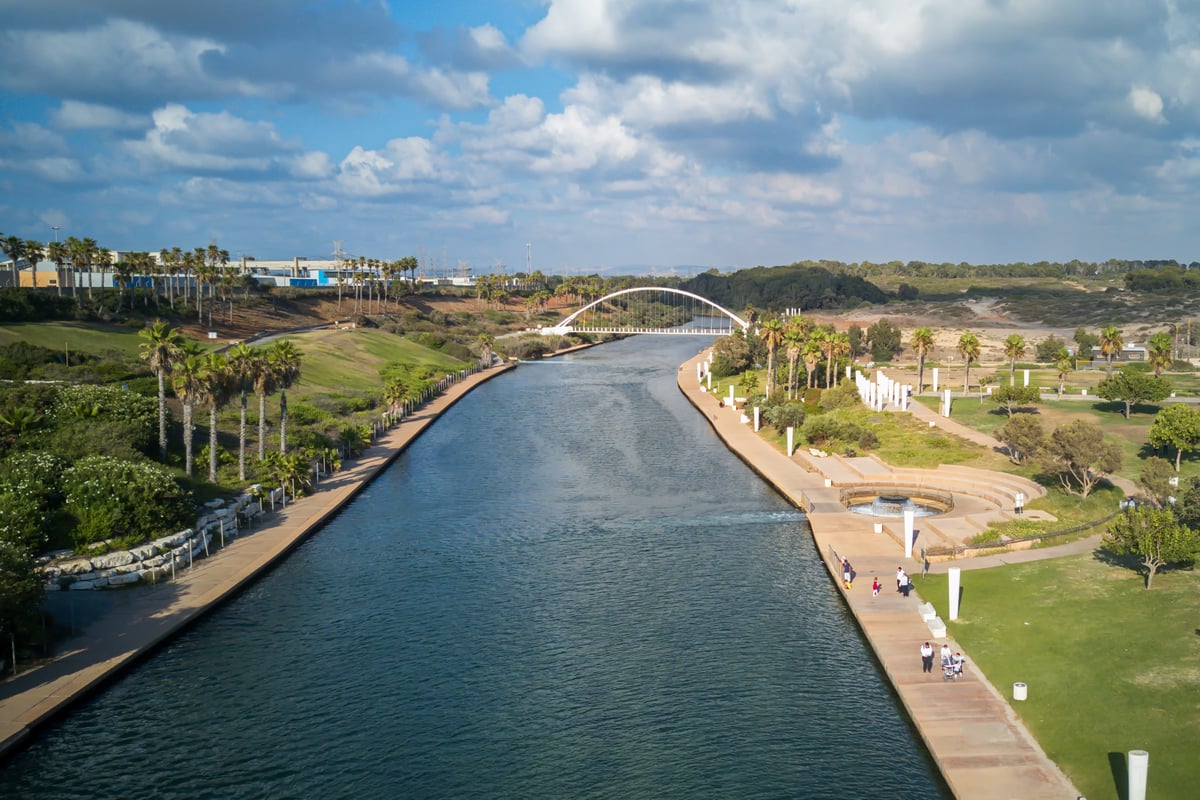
(844, 395)
(302, 413)
(459, 351)
(111, 498)
(785, 415)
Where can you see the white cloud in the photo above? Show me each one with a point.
(185, 140)
(1147, 104)
(74, 115)
(394, 169)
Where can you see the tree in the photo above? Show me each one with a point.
(1153, 535)
(856, 336)
(1159, 352)
(1010, 398)
(265, 383)
(58, 253)
(1047, 349)
(968, 348)
(794, 335)
(1080, 456)
(188, 379)
(771, 333)
(486, 342)
(1085, 342)
(1130, 385)
(810, 354)
(245, 364)
(284, 358)
(34, 252)
(1014, 348)
(1063, 365)
(884, 340)
(1111, 344)
(217, 385)
(838, 346)
(1155, 478)
(113, 498)
(14, 248)
(1177, 425)
(162, 348)
(922, 344)
(1023, 436)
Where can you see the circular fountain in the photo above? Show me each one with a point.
(892, 504)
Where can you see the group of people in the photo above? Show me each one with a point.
(952, 663)
(903, 584)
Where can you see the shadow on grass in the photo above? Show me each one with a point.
(1120, 773)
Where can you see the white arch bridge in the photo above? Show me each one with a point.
(651, 309)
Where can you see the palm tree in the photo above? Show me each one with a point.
(771, 333)
(285, 362)
(34, 252)
(123, 275)
(217, 385)
(810, 354)
(1110, 345)
(1159, 351)
(793, 337)
(58, 253)
(14, 248)
(1063, 364)
(161, 350)
(922, 344)
(103, 259)
(839, 346)
(189, 381)
(1014, 348)
(245, 364)
(968, 348)
(485, 342)
(265, 383)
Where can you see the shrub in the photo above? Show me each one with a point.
(786, 415)
(112, 498)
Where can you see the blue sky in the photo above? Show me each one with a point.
(607, 133)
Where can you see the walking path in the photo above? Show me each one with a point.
(151, 616)
(981, 748)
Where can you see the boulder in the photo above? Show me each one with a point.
(124, 580)
(79, 586)
(110, 560)
(77, 566)
(144, 552)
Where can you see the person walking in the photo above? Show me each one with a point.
(875, 588)
(847, 573)
(946, 655)
(899, 575)
(905, 583)
(927, 657)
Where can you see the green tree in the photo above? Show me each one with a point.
(1159, 351)
(810, 354)
(1023, 436)
(1047, 349)
(112, 498)
(1130, 385)
(968, 348)
(485, 342)
(1153, 535)
(162, 348)
(857, 339)
(1063, 365)
(58, 253)
(14, 248)
(1079, 455)
(731, 355)
(188, 379)
(1085, 342)
(884, 340)
(1111, 344)
(285, 359)
(771, 333)
(1014, 348)
(922, 345)
(1178, 426)
(218, 384)
(1155, 478)
(1011, 398)
(245, 365)
(34, 252)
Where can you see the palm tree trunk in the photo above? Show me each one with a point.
(212, 443)
(162, 417)
(187, 438)
(262, 426)
(242, 440)
(283, 421)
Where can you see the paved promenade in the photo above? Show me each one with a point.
(150, 616)
(981, 748)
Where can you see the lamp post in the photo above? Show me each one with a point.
(55, 227)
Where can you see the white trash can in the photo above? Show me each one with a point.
(1020, 691)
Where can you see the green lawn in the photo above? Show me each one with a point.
(1110, 666)
(76, 336)
(350, 360)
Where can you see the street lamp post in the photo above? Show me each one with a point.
(55, 227)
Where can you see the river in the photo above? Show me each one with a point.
(566, 588)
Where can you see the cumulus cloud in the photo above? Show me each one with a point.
(183, 140)
(73, 115)
(395, 169)
(1147, 104)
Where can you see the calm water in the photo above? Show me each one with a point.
(566, 588)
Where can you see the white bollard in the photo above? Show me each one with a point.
(955, 583)
(1138, 769)
(731, 387)
(908, 532)
(790, 433)
(709, 379)
(756, 419)
(1026, 377)
(946, 404)
(1020, 691)
(847, 370)
(935, 380)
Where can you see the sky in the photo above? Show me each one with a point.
(580, 135)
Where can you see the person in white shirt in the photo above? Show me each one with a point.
(927, 657)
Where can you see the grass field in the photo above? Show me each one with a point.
(350, 359)
(1110, 666)
(74, 336)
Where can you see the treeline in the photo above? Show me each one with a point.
(1169, 278)
(798, 286)
(1020, 269)
(22, 306)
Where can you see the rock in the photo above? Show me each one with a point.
(124, 580)
(76, 567)
(79, 586)
(144, 552)
(174, 540)
(110, 560)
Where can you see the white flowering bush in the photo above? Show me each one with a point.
(124, 501)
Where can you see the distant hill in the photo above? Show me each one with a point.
(778, 288)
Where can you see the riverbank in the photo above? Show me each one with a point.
(982, 750)
(152, 616)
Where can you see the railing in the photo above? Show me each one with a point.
(967, 550)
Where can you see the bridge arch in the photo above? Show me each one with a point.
(568, 326)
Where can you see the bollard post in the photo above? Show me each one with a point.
(954, 573)
(1138, 769)
(790, 433)
(756, 419)
(908, 532)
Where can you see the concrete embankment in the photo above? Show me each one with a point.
(979, 745)
(151, 616)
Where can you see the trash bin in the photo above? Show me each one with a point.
(1020, 691)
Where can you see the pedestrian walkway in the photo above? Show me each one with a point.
(981, 748)
(151, 616)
